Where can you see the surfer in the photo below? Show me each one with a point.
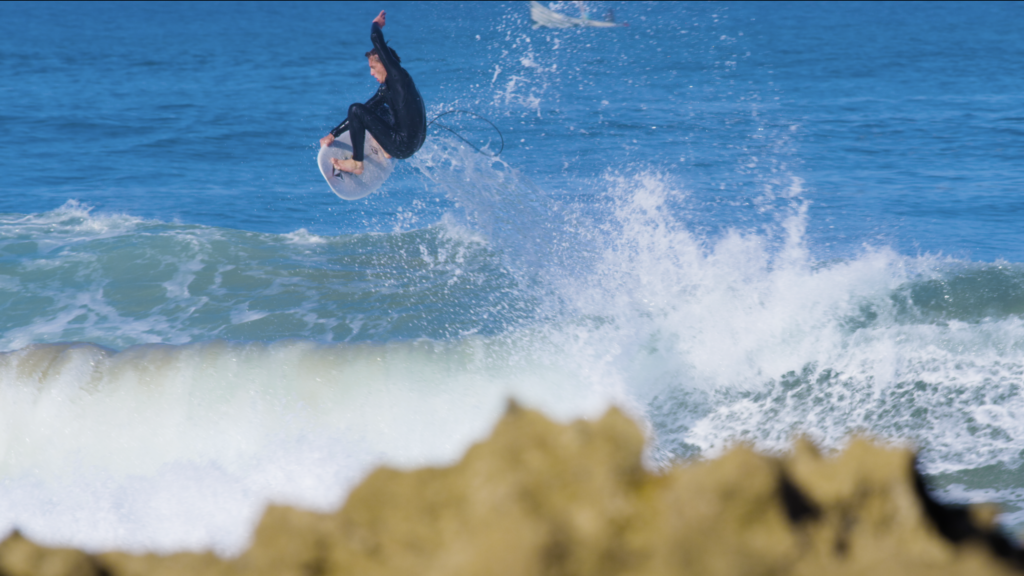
(395, 117)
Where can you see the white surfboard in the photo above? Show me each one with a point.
(376, 167)
(550, 19)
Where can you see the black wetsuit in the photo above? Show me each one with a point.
(395, 115)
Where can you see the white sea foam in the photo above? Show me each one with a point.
(1012, 518)
(303, 236)
(138, 445)
(73, 220)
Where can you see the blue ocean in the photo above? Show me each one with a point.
(738, 222)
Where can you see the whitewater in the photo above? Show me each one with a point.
(699, 218)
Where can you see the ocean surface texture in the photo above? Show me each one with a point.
(739, 222)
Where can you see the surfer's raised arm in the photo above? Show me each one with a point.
(395, 117)
(387, 58)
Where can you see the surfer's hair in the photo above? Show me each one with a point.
(375, 54)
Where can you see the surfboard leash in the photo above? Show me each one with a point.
(460, 137)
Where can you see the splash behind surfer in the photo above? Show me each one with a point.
(395, 117)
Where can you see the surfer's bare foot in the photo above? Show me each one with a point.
(348, 165)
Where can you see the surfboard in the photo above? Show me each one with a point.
(550, 19)
(376, 167)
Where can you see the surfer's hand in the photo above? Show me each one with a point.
(379, 20)
(326, 140)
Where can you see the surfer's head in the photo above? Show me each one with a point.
(376, 68)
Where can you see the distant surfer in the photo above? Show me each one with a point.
(395, 117)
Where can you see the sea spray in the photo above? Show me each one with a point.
(742, 333)
(745, 336)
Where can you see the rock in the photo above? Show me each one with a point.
(19, 557)
(543, 498)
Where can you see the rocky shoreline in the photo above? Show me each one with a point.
(543, 498)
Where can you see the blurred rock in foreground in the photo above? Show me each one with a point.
(541, 498)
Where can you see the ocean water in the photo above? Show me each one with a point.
(739, 222)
